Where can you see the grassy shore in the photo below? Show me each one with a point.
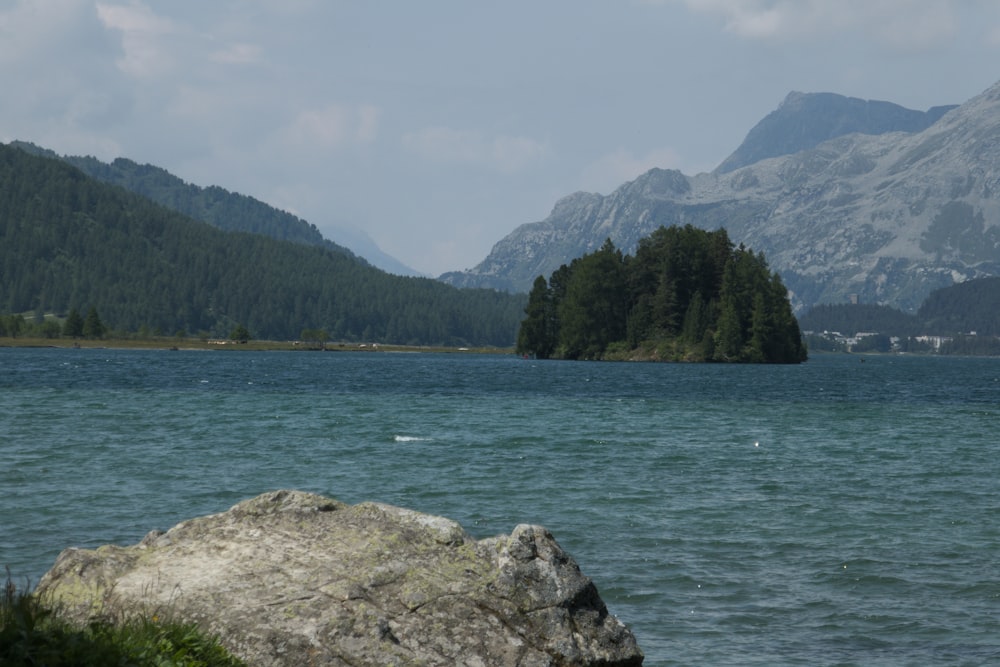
(32, 634)
(173, 343)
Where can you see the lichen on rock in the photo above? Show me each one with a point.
(293, 578)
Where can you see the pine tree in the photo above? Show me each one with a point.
(240, 334)
(592, 314)
(73, 326)
(761, 332)
(695, 320)
(729, 329)
(728, 340)
(12, 325)
(92, 325)
(793, 349)
(687, 292)
(537, 335)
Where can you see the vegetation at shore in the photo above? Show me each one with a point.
(963, 318)
(973, 305)
(253, 345)
(32, 633)
(70, 242)
(686, 295)
(77, 331)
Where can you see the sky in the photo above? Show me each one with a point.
(438, 127)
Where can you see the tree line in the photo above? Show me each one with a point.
(686, 295)
(967, 314)
(216, 206)
(970, 306)
(70, 242)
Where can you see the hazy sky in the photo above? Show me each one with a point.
(438, 126)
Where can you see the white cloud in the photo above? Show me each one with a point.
(333, 126)
(22, 28)
(56, 64)
(195, 103)
(367, 124)
(43, 33)
(142, 37)
(504, 153)
(237, 54)
(899, 24)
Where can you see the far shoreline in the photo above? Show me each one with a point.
(219, 345)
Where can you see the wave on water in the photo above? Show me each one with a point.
(410, 438)
(828, 513)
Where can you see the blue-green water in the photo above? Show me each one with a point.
(835, 513)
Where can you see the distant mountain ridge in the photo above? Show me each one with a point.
(887, 217)
(805, 120)
(363, 246)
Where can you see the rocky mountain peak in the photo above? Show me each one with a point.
(847, 198)
(805, 120)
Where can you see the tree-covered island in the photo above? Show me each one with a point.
(686, 295)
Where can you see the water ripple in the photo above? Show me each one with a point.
(831, 513)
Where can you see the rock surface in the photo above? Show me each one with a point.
(805, 120)
(292, 578)
(887, 218)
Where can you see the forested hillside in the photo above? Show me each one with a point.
(970, 306)
(852, 318)
(217, 206)
(686, 295)
(69, 242)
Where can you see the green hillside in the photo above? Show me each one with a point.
(217, 206)
(69, 242)
(970, 306)
(973, 305)
(961, 319)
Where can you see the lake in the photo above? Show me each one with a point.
(844, 511)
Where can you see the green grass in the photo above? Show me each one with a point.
(32, 634)
(166, 342)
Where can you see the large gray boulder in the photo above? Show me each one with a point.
(292, 578)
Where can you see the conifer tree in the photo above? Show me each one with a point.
(593, 311)
(73, 326)
(240, 334)
(536, 335)
(686, 287)
(92, 325)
